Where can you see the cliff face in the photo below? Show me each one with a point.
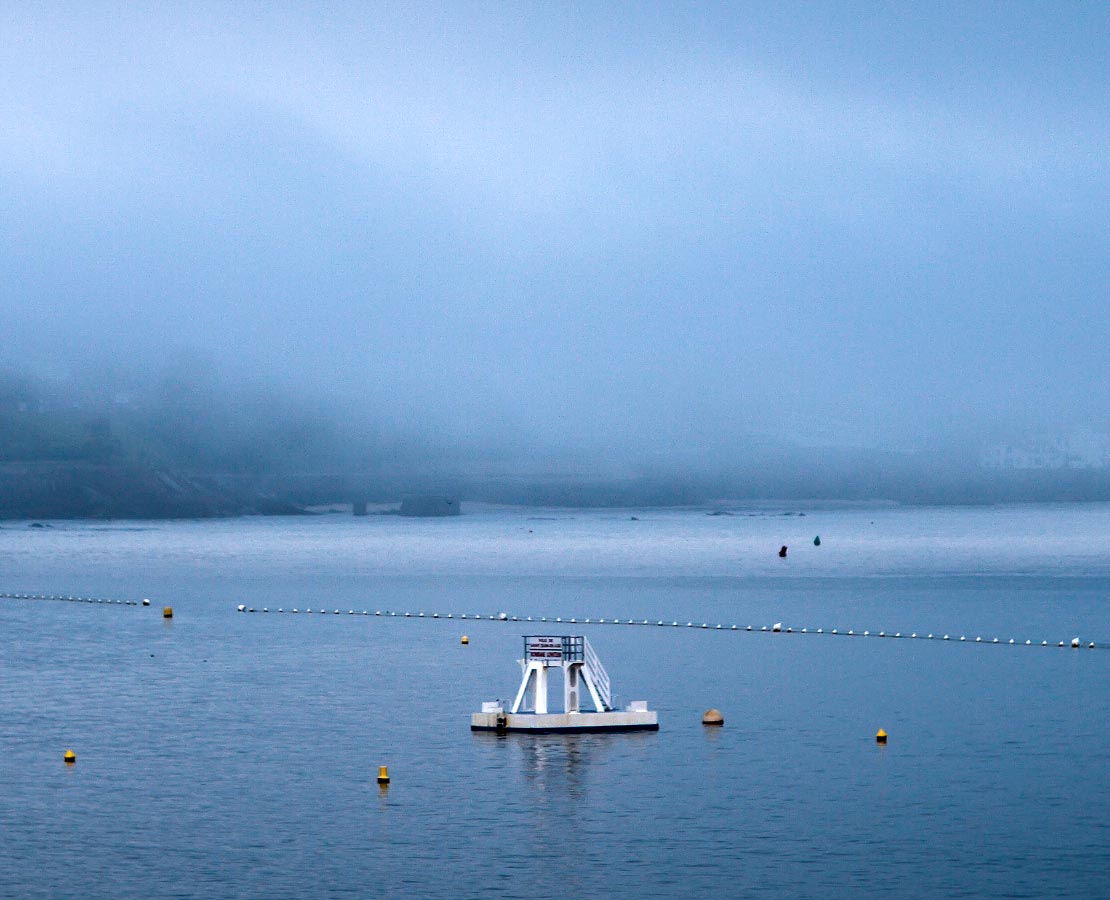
(89, 490)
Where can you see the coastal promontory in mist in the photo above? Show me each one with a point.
(632, 254)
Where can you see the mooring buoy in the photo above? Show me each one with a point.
(383, 774)
(712, 717)
(464, 640)
(880, 737)
(70, 757)
(167, 612)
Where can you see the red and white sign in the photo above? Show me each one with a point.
(544, 648)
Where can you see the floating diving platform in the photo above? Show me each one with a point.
(583, 677)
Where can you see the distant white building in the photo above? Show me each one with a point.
(1078, 450)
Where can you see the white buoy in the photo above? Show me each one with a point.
(1075, 642)
(242, 607)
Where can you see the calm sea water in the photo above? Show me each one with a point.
(227, 755)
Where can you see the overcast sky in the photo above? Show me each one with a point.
(636, 229)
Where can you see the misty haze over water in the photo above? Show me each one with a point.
(630, 255)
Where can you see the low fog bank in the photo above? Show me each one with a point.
(189, 442)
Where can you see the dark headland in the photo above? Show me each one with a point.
(181, 449)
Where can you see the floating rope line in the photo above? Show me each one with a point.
(776, 628)
(71, 599)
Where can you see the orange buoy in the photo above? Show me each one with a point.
(713, 717)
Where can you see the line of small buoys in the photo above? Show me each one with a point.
(776, 628)
(69, 598)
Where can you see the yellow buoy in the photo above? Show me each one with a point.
(712, 717)
(383, 774)
(167, 612)
(70, 757)
(880, 736)
(465, 640)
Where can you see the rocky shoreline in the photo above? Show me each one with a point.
(88, 490)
